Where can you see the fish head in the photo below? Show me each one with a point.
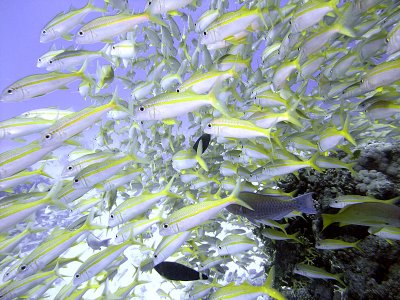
(80, 277)
(84, 36)
(53, 65)
(166, 228)
(335, 203)
(211, 128)
(116, 50)
(222, 250)
(255, 176)
(47, 35)
(144, 113)
(42, 62)
(51, 138)
(297, 270)
(26, 269)
(12, 94)
(155, 7)
(210, 37)
(10, 273)
(115, 219)
(69, 170)
(79, 182)
(119, 237)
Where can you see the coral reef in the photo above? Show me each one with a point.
(371, 274)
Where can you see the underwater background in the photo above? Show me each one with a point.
(200, 149)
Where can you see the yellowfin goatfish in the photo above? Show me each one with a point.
(172, 104)
(315, 272)
(310, 14)
(73, 124)
(97, 262)
(17, 127)
(40, 84)
(381, 75)
(64, 22)
(365, 214)
(135, 206)
(16, 160)
(201, 83)
(71, 58)
(108, 27)
(248, 291)
(196, 214)
(164, 6)
(16, 213)
(59, 241)
(281, 167)
(20, 177)
(235, 243)
(236, 128)
(231, 23)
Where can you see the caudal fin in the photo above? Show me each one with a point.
(327, 220)
(305, 204)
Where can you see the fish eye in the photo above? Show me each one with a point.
(219, 247)
(155, 255)
(44, 31)
(70, 168)
(39, 59)
(77, 275)
(165, 226)
(76, 180)
(50, 61)
(149, 2)
(48, 136)
(209, 125)
(80, 33)
(113, 47)
(205, 33)
(141, 108)
(255, 97)
(10, 91)
(23, 267)
(177, 90)
(112, 217)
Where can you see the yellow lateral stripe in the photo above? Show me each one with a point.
(78, 117)
(23, 154)
(198, 211)
(106, 166)
(48, 79)
(171, 102)
(132, 17)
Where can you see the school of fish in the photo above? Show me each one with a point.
(230, 102)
